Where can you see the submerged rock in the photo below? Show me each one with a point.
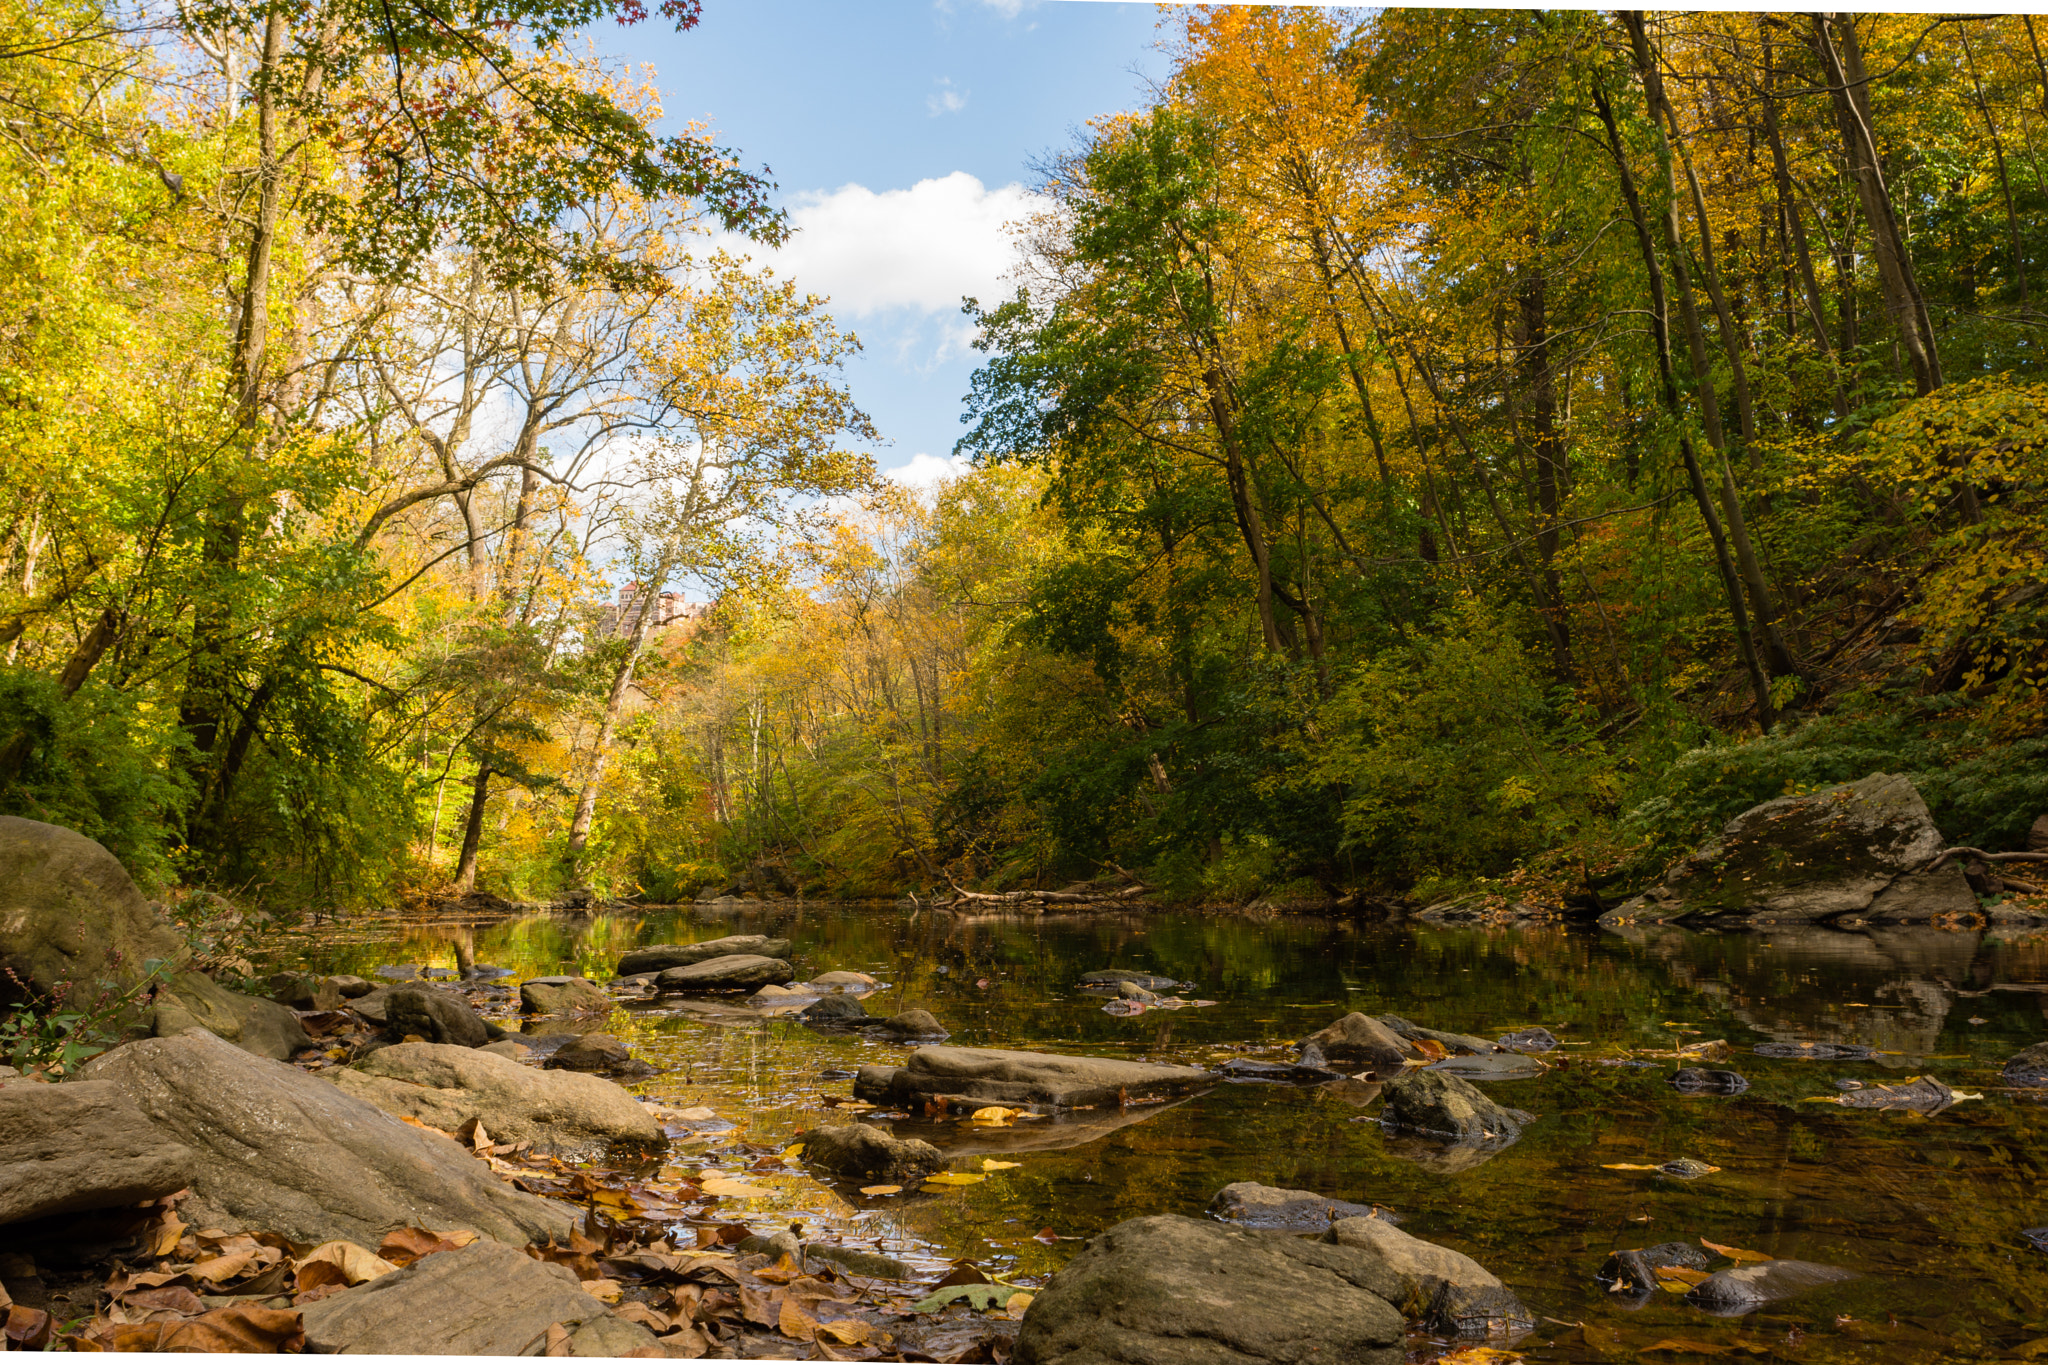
(1052, 1080)
(563, 995)
(660, 957)
(445, 1087)
(859, 982)
(1169, 1289)
(859, 1149)
(1731, 1293)
(1280, 1073)
(70, 912)
(1817, 1052)
(1117, 975)
(1448, 1290)
(482, 1300)
(1358, 1042)
(84, 1145)
(1637, 1268)
(736, 972)
(1441, 1105)
(842, 1010)
(1855, 849)
(2028, 1067)
(599, 1052)
(191, 1001)
(1529, 1040)
(1695, 1080)
(1253, 1205)
(277, 1150)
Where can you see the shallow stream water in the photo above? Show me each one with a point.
(1927, 1210)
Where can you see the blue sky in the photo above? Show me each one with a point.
(901, 134)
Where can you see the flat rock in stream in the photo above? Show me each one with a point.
(859, 1149)
(737, 972)
(445, 1087)
(1279, 1073)
(912, 1024)
(1045, 1079)
(78, 1146)
(1358, 1042)
(1456, 1042)
(563, 995)
(1499, 1066)
(1731, 1293)
(278, 1150)
(1529, 1040)
(1448, 1290)
(600, 1053)
(1440, 1105)
(1168, 1289)
(482, 1300)
(1252, 1205)
(191, 1001)
(660, 957)
(1817, 1052)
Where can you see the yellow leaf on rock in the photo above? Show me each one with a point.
(989, 1163)
(793, 1151)
(881, 1189)
(1734, 1253)
(733, 1189)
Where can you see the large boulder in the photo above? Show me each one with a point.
(858, 1149)
(1358, 1042)
(446, 1086)
(1858, 849)
(191, 1001)
(483, 1300)
(278, 1150)
(1252, 1205)
(741, 972)
(305, 991)
(1441, 1105)
(67, 1148)
(1047, 1079)
(660, 957)
(70, 912)
(1170, 1289)
(1450, 1291)
(563, 995)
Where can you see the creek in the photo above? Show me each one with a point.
(1927, 1210)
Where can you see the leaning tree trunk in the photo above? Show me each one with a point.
(473, 830)
(615, 702)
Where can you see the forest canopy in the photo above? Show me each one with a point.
(1422, 448)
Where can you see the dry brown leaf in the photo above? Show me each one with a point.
(221, 1269)
(558, 1341)
(642, 1314)
(606, 1291)
(733, 1189)
(848, 1331)
(686, 1343)
(358, 1264)
(881, 1189)
(173, 1298)
(163, 1238)
(1014, 1309)
(1625, 1166)
(759, 1306)
(1480, 1355)
(28, 1329)
(793, 1322)
(406, 1245)
(236, 1329)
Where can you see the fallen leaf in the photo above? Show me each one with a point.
(642, 1314)
(1017, 1305)
(881, 1189)
(171, 1298)
(238, 1329)
(1046, 1235)
(221, 1269)
(163, 1239)
(357, 1263)
(1734, 1253)
(795, 1323)
(699, 1114)
(686, 1343)
(607, 1291)
(733, 1189)
(1480, 1355)
(28, 1329)
(558, 1341)
(1677, 1278)
(955, 1178)
(994, 1115)
(793, 1151)
(849, 1331)
(963, 1272)
(407, 1245)
(981, 1297)
(989, 1163)
(1626, 1166)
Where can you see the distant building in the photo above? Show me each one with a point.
(670, 609)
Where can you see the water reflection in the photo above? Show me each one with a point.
(1926, 1209)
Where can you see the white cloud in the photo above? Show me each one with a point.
(945, 100)
(918, 249)
(926, 471)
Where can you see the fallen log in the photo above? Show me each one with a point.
(961, 893)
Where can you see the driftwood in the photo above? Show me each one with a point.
(1982, 856)
(961, 893)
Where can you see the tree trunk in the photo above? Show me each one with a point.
(1548, 451)
(473, 830)
(1795, 225)
(615, 701)
(2012, 220)
(1660, 331)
